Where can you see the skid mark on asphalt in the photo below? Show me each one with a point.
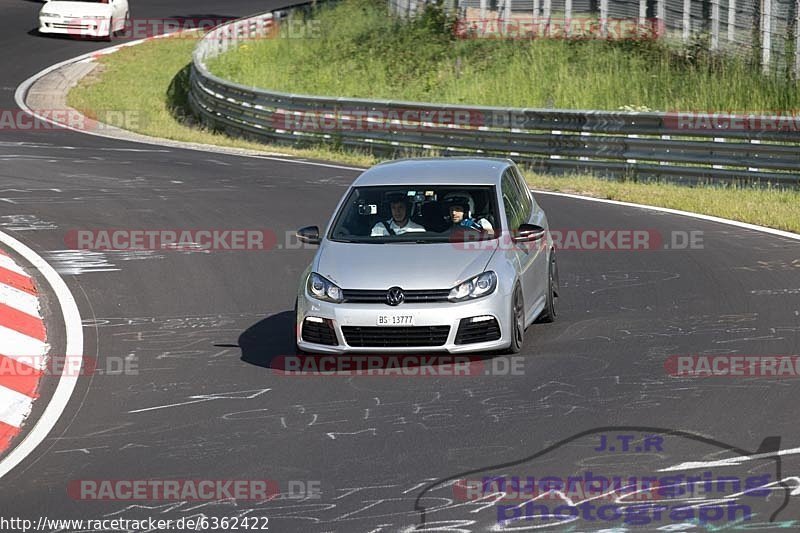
(200, 398)
(775, 292)
(720, 329)
(77, 262)
(777, 265)
(627, 280)
(25, 223)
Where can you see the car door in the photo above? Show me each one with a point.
(523, 253)
(536, 290)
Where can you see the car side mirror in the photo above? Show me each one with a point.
(529, 233)
(309, 235)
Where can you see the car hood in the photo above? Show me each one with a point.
(410, 266)
(77, 9)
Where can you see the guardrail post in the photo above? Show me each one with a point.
(731, 20)
(483, 11)
(687, 19)
(766, 34)
(714, 24)
(547, 10)
(567, 17)
(604, 18)
(506, 16)
(797, 40)
(643, 14)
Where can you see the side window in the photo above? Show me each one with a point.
(524, 194)
(511, 201)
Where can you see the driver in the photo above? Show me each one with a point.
(399, 223)
(461, 210)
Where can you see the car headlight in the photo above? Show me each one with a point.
(477, 287)
(324, 289)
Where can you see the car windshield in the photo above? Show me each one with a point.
(419, 213)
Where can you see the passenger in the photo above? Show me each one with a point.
(461, 208)
(399, 223)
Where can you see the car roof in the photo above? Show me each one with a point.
(436, 171)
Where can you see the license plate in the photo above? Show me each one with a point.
(395, 320)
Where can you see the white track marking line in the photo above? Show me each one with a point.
(710, 218)
(22, 301)
(74, 348)
(14, 407)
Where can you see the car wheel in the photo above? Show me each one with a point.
(517, 325)
(550, 310)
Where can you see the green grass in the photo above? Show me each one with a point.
(155, 99)
(128, 81)
(772, 207)
(356, 50)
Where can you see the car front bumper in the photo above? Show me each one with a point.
(81, 28)
(439, 314)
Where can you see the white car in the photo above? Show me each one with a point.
(84, 18)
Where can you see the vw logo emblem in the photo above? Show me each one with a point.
(395, 296)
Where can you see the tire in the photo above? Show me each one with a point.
(550, 310)
(110, 36)
(517, 321)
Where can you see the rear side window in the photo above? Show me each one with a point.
(525, 195)
(512, 201)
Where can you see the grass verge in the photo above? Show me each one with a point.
(156, 101)
(127, 81)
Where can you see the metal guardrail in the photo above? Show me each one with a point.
(675, 145)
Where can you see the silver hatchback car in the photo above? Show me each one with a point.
(436, 255)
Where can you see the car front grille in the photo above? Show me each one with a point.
(319, 333)
(67, 26)
(369, 296)
(397, 337)
(472, 332)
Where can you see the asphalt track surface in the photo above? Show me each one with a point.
(203, 329)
